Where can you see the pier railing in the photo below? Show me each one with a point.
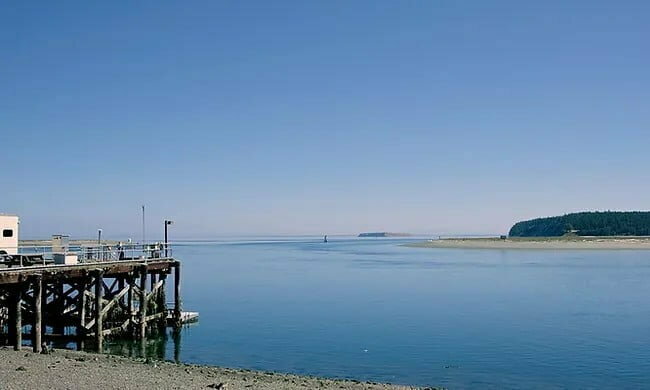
(47, 255)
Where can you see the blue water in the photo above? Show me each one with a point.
(371, 309)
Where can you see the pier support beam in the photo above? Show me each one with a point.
(99, 328)
(81, 310)
(17, 311)
(162, 303)
(129, 301)
(37, 326)
(120, 286)
(143, 303)
(177, 295)
(59, 298)
(176, 338)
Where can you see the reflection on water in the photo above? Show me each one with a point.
(166, 346)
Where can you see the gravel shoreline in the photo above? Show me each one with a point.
(65, 369)
(586, 243)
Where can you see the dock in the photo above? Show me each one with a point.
(105, 292)
(187, 317)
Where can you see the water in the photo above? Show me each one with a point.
(371, 309)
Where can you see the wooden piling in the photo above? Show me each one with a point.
(60, 306)
(143, 302)
(142, 350)
(120, 286)
(176, 338)
(37, 326)
(162, 304)
(99, 328)
(177, 295)
(44, 311)
(18, 316)
(152, 283)
(129, 296)
(81, 310)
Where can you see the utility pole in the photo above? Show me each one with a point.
(143, 231)
(167, 223)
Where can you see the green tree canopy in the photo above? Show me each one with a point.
(597, 223)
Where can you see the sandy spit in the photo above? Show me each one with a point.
(79, 370)
(48, 242)
(586, 243)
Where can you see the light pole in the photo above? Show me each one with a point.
(167, 222)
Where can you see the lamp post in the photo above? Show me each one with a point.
(167, 222)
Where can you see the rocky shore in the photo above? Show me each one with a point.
(79, 370)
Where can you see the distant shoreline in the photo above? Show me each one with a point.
(383, 234)
(48, 242)
(549, 243)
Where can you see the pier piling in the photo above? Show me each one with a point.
(81, 311)
(17, 310)
(177, 295)
(129, 301)
(37, 326)
(99, 328)
(143, 303)
(162, 304)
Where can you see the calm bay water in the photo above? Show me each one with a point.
(371, 309)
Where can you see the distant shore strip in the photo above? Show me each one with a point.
(550, 243)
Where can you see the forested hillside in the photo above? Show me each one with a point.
(605, 223)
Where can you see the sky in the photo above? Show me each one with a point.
(330, 117)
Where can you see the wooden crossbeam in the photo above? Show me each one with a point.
(155, 289)
(122, 305)
(69, 309)
(105, 286)
(136, 289)
(107, 304)
(52, 290)
(155, 316)
(110, 290)
(120, 328)
(115, 299)
(92, 296)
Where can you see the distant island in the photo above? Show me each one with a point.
(383, 234)
(597, 223)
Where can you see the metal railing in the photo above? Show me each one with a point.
(25, 256)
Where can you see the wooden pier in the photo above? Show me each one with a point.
(88, 302)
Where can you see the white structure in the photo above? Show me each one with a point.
(60, 250)
(60, 243)
(65, 258)
(9, 233)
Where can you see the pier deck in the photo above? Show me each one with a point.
(109, 268)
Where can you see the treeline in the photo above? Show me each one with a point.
(598, 223)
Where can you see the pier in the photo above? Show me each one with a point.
(85, 295)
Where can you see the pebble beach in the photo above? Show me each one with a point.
(64, 369)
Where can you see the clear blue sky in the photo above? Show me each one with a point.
(254, 117)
